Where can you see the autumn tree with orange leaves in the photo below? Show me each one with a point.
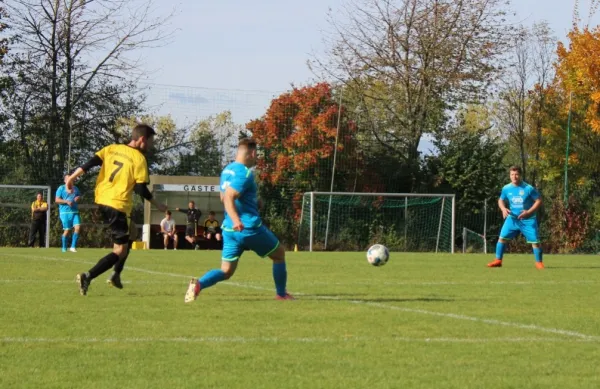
(297, 137)
(576, 85)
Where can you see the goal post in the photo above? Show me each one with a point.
(15, 212)
(352, 221)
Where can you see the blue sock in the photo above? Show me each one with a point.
(75, 237)
(211, 277)
(64, 242)
(280, 278)
(537, 253)
(500, 250)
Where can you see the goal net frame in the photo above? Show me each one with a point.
(48, 201)
(451, 198)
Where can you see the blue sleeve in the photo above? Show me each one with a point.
(503, 195)
(76, 191)
(240, 180)
(534, 193)
(59, 192)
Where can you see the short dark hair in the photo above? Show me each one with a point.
(142, 130)
(168, 212)
(191, 202)
(515, 168)
(249, 143)
(212, 213)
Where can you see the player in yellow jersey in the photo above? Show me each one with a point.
(124, 170)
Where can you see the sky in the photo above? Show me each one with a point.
(239, 54)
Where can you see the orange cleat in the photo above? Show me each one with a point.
(539, 265)
(286, 297)
(495, 263)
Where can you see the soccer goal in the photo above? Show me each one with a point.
(473, 242)
(15, 213)
(348, 221)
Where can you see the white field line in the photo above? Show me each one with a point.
(286, 340)
(532, 327)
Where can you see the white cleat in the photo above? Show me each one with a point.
(73, 250)
(192, 291)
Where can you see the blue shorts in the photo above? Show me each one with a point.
(260, 240)
(70, 220)
(528, 227)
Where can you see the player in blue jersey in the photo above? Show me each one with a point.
(243, 228)
(68, 211)
(524, 201)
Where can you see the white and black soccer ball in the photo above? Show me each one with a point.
(378, 255)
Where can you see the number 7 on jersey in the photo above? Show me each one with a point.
(114, 173)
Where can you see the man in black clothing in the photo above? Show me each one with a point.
(39, 209)
(193, 215)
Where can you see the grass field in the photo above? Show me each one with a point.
(421, 321)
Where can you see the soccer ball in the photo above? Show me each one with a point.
(378, 255)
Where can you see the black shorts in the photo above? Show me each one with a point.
(217, 230)
(119, 224)
(190, 231)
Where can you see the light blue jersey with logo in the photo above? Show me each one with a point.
(520, 198)
(62, 193)
(241, 179)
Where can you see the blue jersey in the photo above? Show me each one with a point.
(241, 179)
(62, 193)
(520, 198)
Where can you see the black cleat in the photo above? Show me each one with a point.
(115, 280)
(84, 283)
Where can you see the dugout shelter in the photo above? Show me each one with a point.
(178, 191)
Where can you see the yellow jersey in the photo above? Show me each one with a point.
(122, 167)
(37, 215)
(211, 225)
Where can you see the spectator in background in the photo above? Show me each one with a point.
(193, 215)
(211, 227)
(167, 228)
(39, 209)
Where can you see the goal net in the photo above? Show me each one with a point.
(348, 221)
(473, 242)
(15, 214)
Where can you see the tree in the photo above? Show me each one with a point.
(297, 138)
(519, 109)
(470, 161)
(408, 61)
(3, 28)
(72, 74)
(212, 144)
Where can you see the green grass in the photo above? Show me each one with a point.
(421, 321)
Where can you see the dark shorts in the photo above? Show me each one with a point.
(190, 231)
(216, 230)
(120, 225)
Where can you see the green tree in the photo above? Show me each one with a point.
(470, 162)
(406, 62)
